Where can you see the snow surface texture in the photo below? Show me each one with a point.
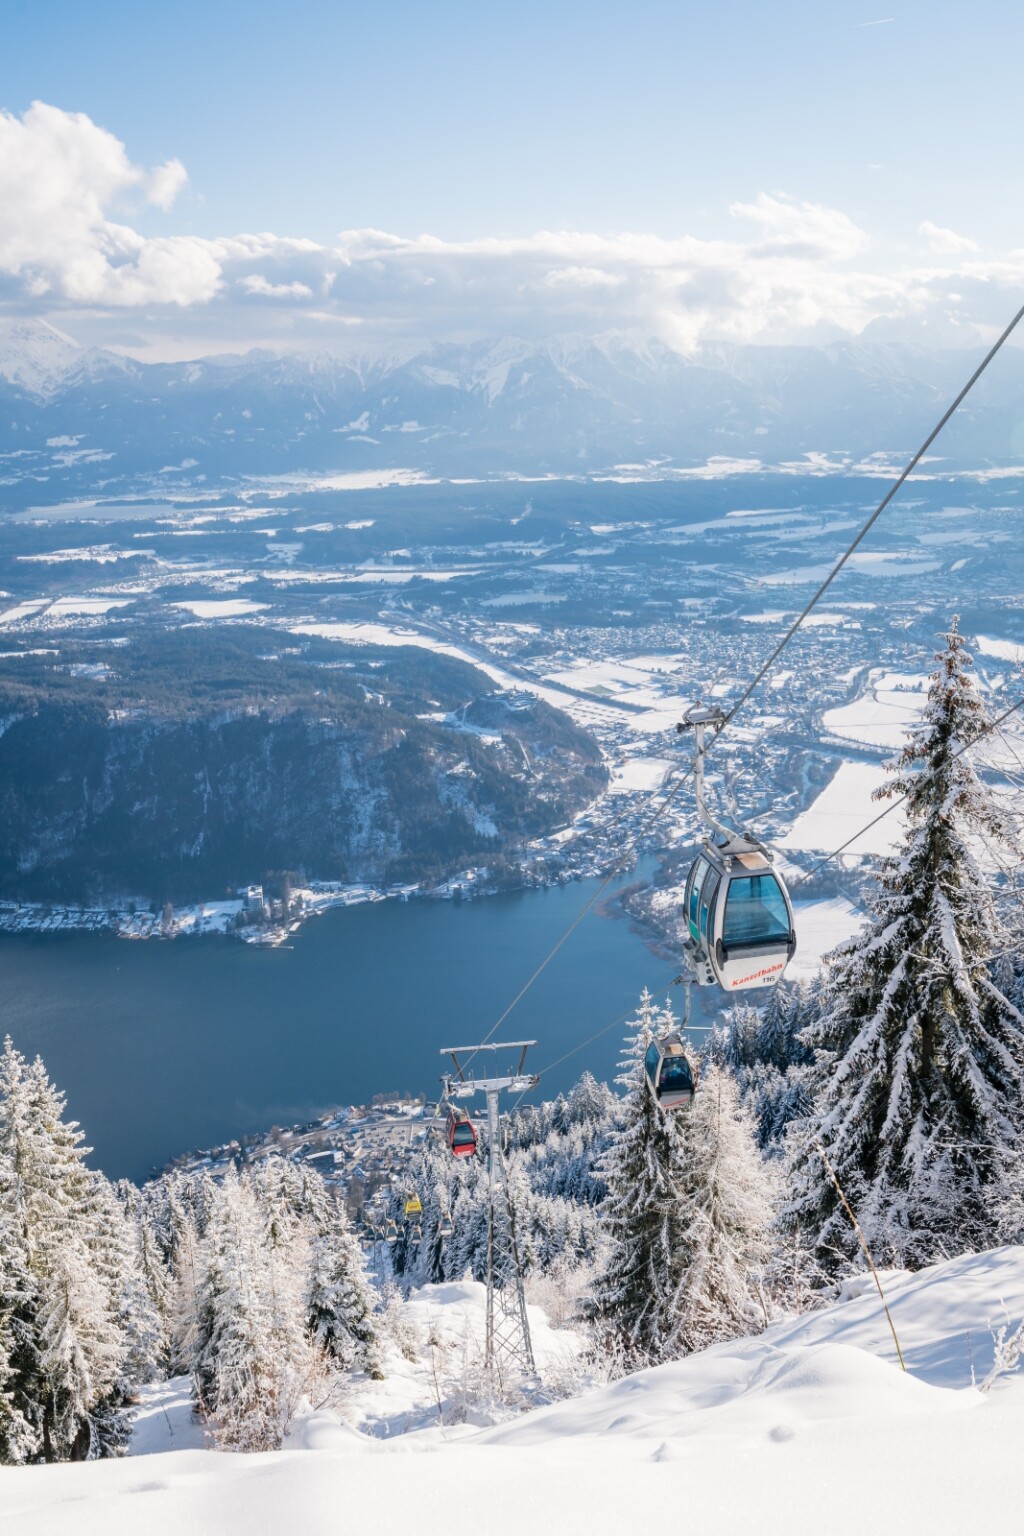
(220, 608)
(881, 717)
(820, 927)
(842, 809)
(809, 1428)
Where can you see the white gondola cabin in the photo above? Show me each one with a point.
(739, 930)
(739, 919)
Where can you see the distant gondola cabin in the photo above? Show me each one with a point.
(460, 1133)
(670, 1072)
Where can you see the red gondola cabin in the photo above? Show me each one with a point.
(460, 1133)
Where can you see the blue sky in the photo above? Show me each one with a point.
(473, 123)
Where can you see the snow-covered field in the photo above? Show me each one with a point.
(85, 607)
(23, 610)
(1003, 650)
(843, 807)
(355, 633)
(811, 1427)
(220, 608)
(640, 773)
(820, 926)
(881, 717)
(61, 608)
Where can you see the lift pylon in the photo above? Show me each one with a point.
(508, 1349)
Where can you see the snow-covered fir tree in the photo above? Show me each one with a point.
(180, 1232)
(918, 1054)
(637, 1294)
(775, 1043)
(340, 1301)
(158, 1280)
(763, 1048)
(137, 1324)
(726, 1214)
(68, 1375)
(590, 1103)
(252, 1359)
(735, 1040)
(18, 1438)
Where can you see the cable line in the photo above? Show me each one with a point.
(615, 870)
(876, 514)
(763, 670)
(987, 730)
(622, 1019)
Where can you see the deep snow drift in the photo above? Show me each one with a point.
(810, 1427)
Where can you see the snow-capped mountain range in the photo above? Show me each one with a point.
(567, 405)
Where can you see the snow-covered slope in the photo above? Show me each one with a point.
(43, 362)
(811, 1427)
(36, 356)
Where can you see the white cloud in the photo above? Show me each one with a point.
(60, 176)
(791, 269)
(261, 288)
(165, 183)
(802, 231)
(946, 240)
(581, 277)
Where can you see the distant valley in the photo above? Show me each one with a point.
(428, 619)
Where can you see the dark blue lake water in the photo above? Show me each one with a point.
(164, 1047)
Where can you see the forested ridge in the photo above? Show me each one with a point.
(188, 762)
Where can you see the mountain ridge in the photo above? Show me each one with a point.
(566, 405)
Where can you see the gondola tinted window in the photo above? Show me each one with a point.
(697, 879)
(755, 912)
(463, 1135)
(675, 1074)
(707, 901)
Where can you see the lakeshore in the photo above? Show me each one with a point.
(166, 1046)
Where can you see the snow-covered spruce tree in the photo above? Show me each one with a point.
(467, 1248)
(726, 1212)
(590, 1103)
(279, 1189)
(183, 1245)
(430, 1265)
(252, 1360)
(636, 1296)
(340, 1301)
(67, 1374)
(734, 1042)
(18, 1439)
(136, 1324)
(435, 1182)
(158, 1281)
(918, 1054)
(775, 1043)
